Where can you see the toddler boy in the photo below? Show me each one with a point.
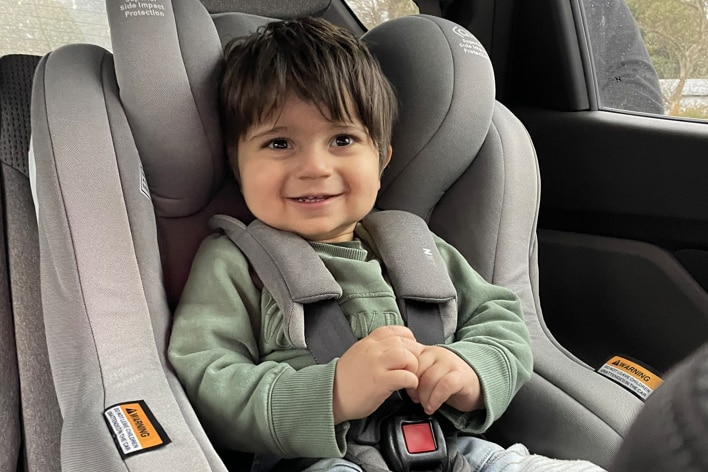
(307, 116)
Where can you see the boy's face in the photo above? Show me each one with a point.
(301, 172)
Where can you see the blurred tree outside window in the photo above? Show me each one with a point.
(676, 35)
(625, 75)
(631, 40)
(373, 12)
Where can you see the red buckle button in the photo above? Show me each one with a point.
(419, 437)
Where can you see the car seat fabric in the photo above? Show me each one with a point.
(104, 301)
(232, 26)
(34, 414)
(10, 388)
(466, 164)
(269, 8)
(94, 280)
(445, 106)
(176, 127)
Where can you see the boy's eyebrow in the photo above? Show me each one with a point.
(334, 125)
(346, 125)
(269, 131)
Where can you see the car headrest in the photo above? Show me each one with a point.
(444, 81)
(236, 25)
(168, 60)
(270, 8)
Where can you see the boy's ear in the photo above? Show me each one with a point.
(388, 159)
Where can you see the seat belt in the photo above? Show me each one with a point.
(327, 333)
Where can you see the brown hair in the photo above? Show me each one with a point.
(320, 63)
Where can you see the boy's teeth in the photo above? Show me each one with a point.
(310, 199)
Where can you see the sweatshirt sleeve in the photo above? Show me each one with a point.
(244, 403)
(491, 337)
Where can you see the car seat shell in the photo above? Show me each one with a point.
(115, 252)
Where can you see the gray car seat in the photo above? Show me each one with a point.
(28, 406)
(467, 165)
(130, 166)
(10, 388)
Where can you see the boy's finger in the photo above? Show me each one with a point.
(400, 358)
(400, 379)
(394, 343)
(426, 359)
(445, 387)
(388, 331)
(427, 383)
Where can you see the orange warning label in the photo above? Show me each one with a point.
(632, 375)
(142, 426)
(134, 428)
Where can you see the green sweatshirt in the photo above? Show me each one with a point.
(255, 392)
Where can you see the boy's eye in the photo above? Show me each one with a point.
(342, 140)
(278, 144)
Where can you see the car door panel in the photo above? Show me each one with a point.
(623, 246)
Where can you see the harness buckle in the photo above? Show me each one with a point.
(414, 442)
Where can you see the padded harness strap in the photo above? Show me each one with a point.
(273, 254)
(307, 293)
(418, 274)
(288, 266)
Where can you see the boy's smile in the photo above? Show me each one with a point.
(303, 173)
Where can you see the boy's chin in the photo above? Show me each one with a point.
(316, 230)
(334, 236)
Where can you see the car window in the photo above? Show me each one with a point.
(39, 26)
(373, 12)
(650, 55)
(676, 34)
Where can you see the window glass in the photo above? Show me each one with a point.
(39, 26)
(676, 35)
(626, 76)
(650, 55)
(373, 12)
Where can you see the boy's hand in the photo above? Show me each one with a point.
(372, 369)
(443, 377)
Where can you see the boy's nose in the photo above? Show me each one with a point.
(314, 164)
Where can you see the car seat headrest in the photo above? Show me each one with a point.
(270, 8)
(444, 82)
(168, 62)
(236, 25)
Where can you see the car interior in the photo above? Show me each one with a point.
(113, 163)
